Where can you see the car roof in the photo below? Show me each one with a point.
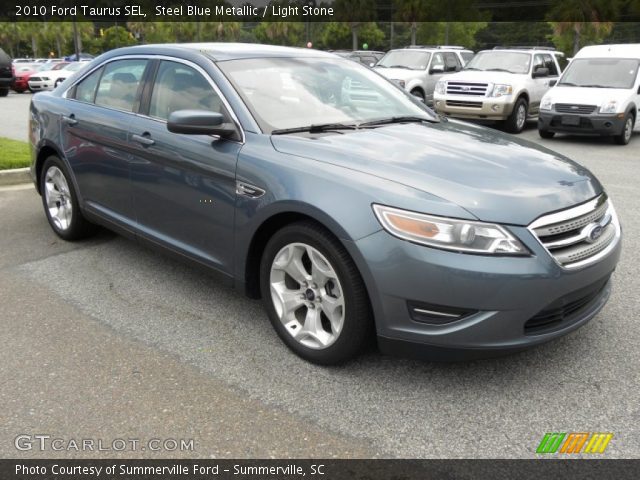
(431, 49)
(223, 51)
(628, 50)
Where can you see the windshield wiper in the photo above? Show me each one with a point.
(473, 68)
(400, 119)
(400, 66)
(498, 70)
(595, 86)
(568, 83)
(319, 128)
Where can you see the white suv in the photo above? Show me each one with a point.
(505, 84)
(418, 68)
(599, 94)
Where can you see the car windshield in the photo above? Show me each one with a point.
(601, 73)
(412, 60)
(500, 61)
(284, 93)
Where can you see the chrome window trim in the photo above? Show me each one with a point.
(574, 212)
(189, 63)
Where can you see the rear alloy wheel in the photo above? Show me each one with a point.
(61, 203)
(627, 131)
(314, 295)
(518, 118)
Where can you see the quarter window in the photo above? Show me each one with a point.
(119, 85)
(180, 87)
(86, 89)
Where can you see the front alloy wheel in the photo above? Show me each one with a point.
(314, 295)
(627, 131)
(307, 295)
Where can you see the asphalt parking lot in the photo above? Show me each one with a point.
(107, 339)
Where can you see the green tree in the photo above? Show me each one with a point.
(115, 37)
(454, 33)
(583, 17)
(280, 33)
(411, 12)
(355, 13)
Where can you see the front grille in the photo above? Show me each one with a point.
(462, 103)
(572, 108)
(35, 79)
(564, 310)
(467, 88)
(578, 234)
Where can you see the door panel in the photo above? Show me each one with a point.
(184, 186)
(95, 137)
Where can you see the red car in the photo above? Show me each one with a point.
(21, 74)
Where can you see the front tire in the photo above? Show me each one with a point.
(416, 92)
(518, 118)
(314, 295)
(627, 131)
(4, 92)
(546, 133)
(61, 202)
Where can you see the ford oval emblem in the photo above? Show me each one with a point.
(595, 233)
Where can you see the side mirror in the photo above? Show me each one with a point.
(199, 122)
(437, 69)
(540, 72)
(553, 82)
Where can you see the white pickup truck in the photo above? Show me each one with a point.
(505, 84)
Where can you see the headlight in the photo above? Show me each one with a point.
(500, 90)
(399, 82)
(441, 87)
(609, 107)
(448, 233)
(546, 104)
(45, 78)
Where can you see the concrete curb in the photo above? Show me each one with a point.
(15, 176)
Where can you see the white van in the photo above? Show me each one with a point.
(598, 94)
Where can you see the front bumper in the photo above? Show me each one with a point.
(591, 124)
(41, 85)
(474, 107)
(503, 293)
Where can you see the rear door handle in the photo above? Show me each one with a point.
(145, 139)
(70, 120)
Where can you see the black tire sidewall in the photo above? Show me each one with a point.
(512, 121)
(418, 94)
(353, 336)
(620, 139)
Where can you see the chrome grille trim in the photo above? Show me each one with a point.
(467, 88)
(566, 236)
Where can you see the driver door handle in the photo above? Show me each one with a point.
(145, 139)
(70, 120)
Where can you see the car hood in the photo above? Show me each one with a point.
(399, 73)
(494, 176)
(588, 96)
(487, 77)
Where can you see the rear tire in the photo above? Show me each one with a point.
(60, 202)
(314, 295)
(4, 92)
(518, 118)
(627, 130)
(546, 133)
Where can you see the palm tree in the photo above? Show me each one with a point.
(411, 12)
(577, 15)
(355, 13)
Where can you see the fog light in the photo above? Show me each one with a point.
(438, 103)
(495, 108)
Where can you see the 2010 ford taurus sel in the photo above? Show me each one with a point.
(342, 201)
